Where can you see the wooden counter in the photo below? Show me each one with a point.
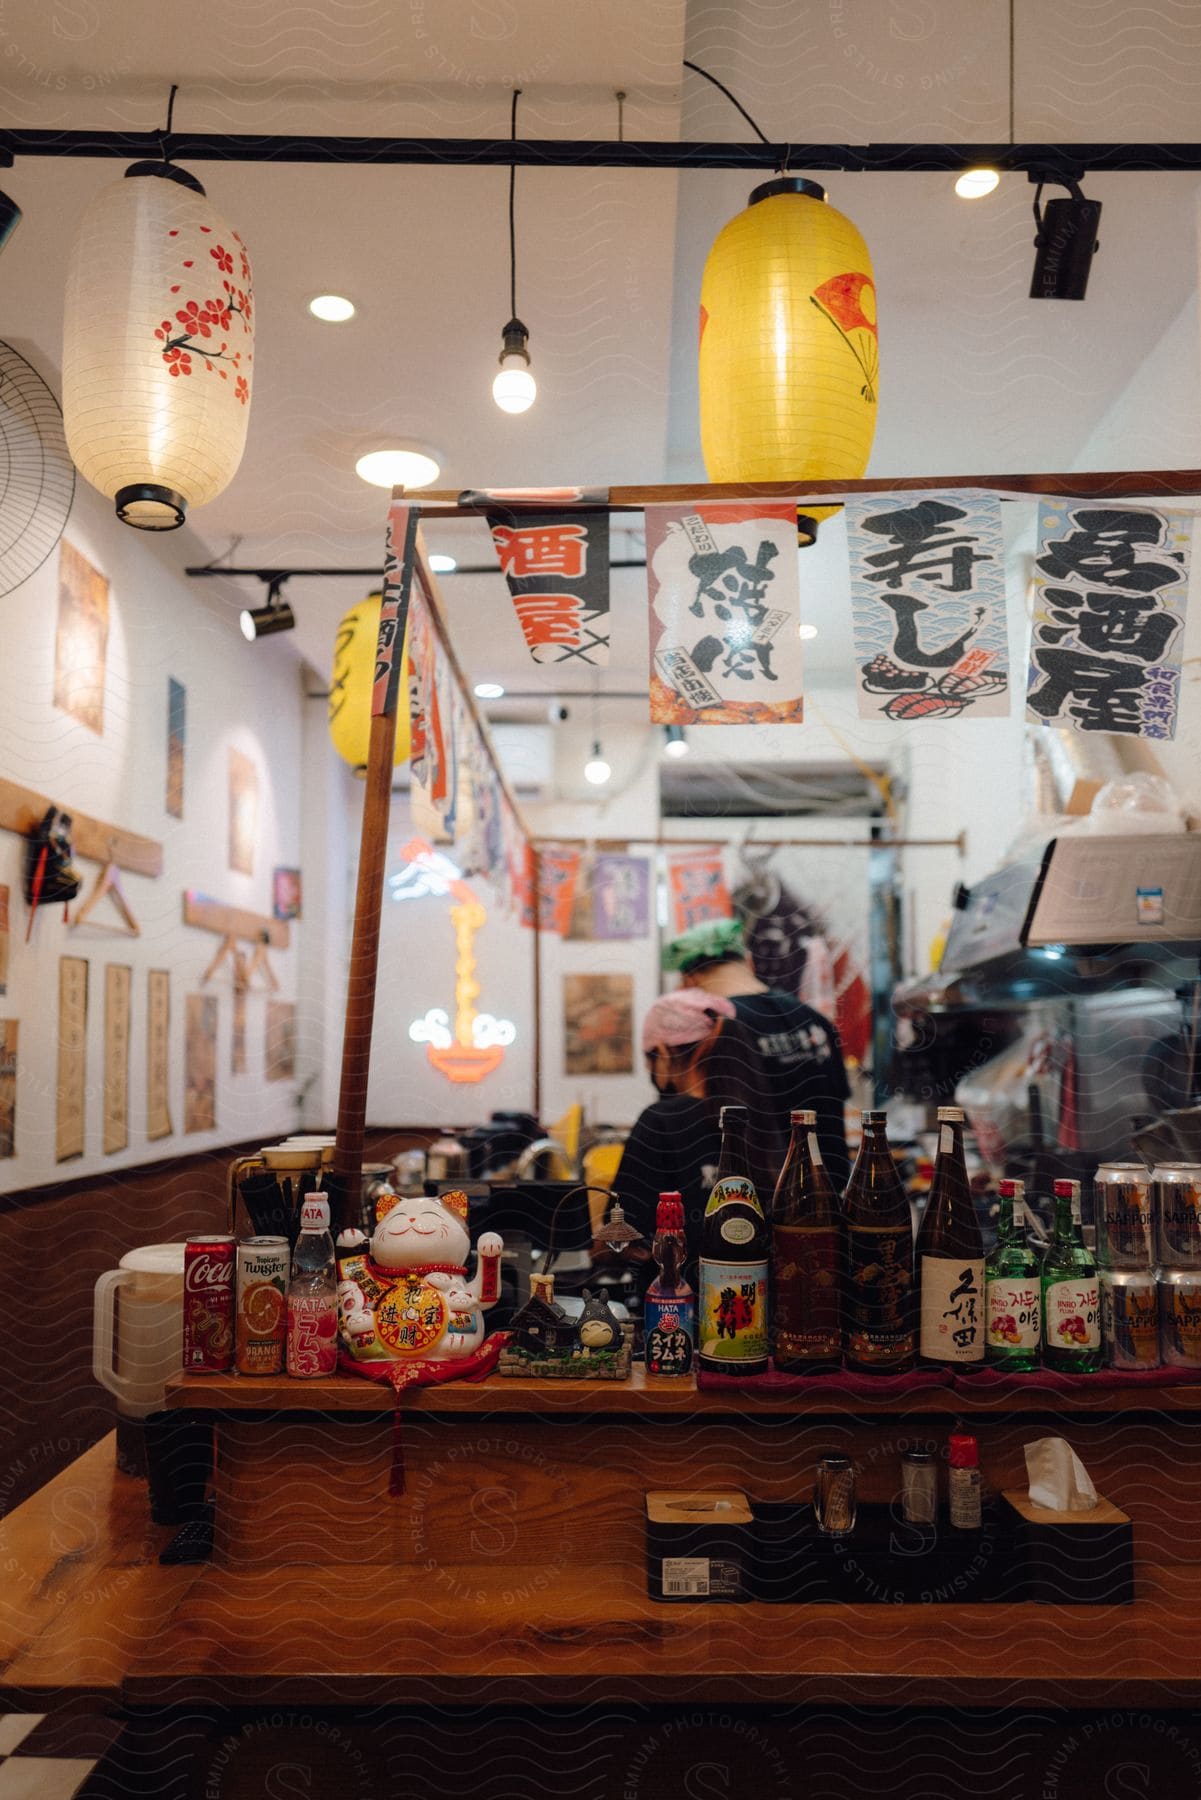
(511, 1570)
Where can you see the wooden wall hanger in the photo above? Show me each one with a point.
(109, 882)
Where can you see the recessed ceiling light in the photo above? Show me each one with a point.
(442, 564)
(973, 184)
(489, 690)
(335, 309)
(397, 468)
(806, 631)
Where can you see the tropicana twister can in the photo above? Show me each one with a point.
(260, 1320)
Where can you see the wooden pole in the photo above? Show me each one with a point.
(536, 885)
(388, 688)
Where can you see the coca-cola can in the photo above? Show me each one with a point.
(260, 1320)
(208, 1303)
(1130, 1318)
(1124, 1216)
(1180, 1317)
(1176, 1189)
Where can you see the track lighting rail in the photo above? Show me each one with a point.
(1040, 160)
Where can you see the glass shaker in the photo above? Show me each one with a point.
(834, 1496)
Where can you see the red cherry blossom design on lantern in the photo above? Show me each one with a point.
(174, 232)
(206, 228)
(164, 331)
(188, 263)
(194, 320)
(222, 258)
(242, 389)
(179, 362)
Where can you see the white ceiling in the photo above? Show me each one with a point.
(975, 376)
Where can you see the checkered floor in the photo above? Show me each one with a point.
(49, 1756)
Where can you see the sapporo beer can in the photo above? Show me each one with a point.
(1180, 1317)
(1176, 1190)
(1130, 1318)
(208, 1304)
(260, 1320)
(1124, 1216)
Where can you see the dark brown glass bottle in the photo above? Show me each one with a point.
(878, 1297)
(950, 1258)
(806, 1259)
(732, 1314)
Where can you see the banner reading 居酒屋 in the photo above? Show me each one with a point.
(928, 605)
(697, 879)
(557, 568)
(548, 885)
(724, 613)
(1107, 642)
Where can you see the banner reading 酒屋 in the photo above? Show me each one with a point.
(928, 605)
(724, 613)
(557, 568)
(697, 879)
(1107, 643)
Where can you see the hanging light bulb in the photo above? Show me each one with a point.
(513, 387)
(677, 743)
(158, 342)
(596, 769)
(973, 184)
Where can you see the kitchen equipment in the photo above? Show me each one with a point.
(143, 1298)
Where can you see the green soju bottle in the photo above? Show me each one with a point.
(1012, 1288)
(1071, 1301)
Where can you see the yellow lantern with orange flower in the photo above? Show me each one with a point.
(789, 350)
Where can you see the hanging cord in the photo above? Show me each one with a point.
(1011, 69)
(782, 165)
(165, 133)
(620, 98)
(512, 211)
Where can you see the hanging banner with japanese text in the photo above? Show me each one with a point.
(621, 890)
(557, 871)
(1111, 591)
(698, 888)
(724, 613)
(557, 568)
(928, 605)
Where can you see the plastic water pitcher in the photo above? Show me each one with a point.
(143, 1298)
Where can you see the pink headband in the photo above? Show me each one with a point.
(683, 1017)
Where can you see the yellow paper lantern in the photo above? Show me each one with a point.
(788, 343)
(158, 344)
(350, 683)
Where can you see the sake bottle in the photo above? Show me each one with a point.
(878, 1295)
(732, 1322)
(949, 1254)
(806, 1259)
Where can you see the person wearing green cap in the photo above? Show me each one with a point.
(799, 1049)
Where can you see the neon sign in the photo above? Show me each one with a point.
(475, 1046)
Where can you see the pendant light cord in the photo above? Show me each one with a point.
(1011, 69)
(722, 88)
(165, 133)
(513, 210)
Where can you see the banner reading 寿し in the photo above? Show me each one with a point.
(928, 605)
(724, 613)
(1107, 643)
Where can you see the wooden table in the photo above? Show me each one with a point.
(512, 1570)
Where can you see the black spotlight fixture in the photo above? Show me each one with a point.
(10, 217)
(1065, 241)
(277, 615)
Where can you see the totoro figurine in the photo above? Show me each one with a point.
(407, 1295)
(598, 1325)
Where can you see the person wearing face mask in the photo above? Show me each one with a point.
(701, 1057)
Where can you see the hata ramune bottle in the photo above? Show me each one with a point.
(313, 1294)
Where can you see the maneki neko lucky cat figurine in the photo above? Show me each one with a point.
(406, 1295)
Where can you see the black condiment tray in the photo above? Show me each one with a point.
(885, 1560)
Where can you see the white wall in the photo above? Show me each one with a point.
(238, 695)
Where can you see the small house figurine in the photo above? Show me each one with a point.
(541, 1327)
(546, 1344)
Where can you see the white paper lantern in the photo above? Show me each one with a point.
(158, 343)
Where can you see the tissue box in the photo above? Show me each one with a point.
(698, 1546)
(1073, 1559)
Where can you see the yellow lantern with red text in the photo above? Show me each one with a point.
(789, 350)
(351, 680)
